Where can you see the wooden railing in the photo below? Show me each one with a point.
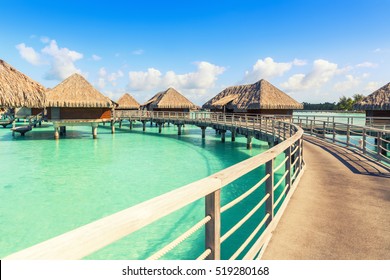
(87, 239)
(377, 122)
(369, 140)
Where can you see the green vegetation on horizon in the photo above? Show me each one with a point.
(344, 104)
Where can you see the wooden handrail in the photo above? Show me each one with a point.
(87, 239)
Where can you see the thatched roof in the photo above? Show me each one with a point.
(76, 91)
(127, 102)
(378, 100)
(260, 95)
(170, 98)
(18, 90)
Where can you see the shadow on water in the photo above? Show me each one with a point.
(166, 231)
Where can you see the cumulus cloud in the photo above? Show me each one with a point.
(203, 78)
(321, 73)
(350, 83)
(45, 39)
(104, 77)
(61, 60)
(96, 57)
(268, 68)
(138, 52)
(29, 54)
(372, 86)
(366, 65)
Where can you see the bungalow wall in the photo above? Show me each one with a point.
(378, 114)
(78, 113)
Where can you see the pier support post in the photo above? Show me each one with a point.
(62, 130)
(179, 129)
(120, 124)
(131, 125)
(56, 132)
(94, 130)
(203, 128)
(223, 133)
(213, 227)
(159, 127)
(143, 125)
(112, 126)
(13, 126)
(233, 135)
(249, 142)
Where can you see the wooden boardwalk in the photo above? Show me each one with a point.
(340, 210)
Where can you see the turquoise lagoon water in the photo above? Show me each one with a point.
(49, 187)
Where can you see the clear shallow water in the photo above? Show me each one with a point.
(49, 187)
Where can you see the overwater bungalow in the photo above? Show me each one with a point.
(376, 105)
(75, 102)
(169, 100)
(259, 98)
(126, 105)
(20, 91)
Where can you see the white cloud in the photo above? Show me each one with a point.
(350, 83)
(366, 64)
(321, 73)
(62, 61)
(138, 52)
(96, 57)
(372, 86)
(200, 80)
(29, 54)
(148, 80)
(268, 68)
(112, 77)
(45, 39)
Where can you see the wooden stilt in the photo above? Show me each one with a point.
(94, 131)
(120, 124)
(159, 127)
(233, 135)
(143, 125)
(131, 124)
(203, 128)
(249, 142)
(223, 132)
(56, 133)
(179, 129)
(112, 126)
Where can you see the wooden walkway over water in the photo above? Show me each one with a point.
(341, 209)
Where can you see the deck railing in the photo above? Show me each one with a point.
(371, 141)
(87, 239)
(377, 122)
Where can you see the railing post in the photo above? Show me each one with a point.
(348, 133)
(287, 153)
(379, 144)
(273, 131)
(269, 169)
(334, 131)
(213, 227)
(300, 153)
(364, 140)
(323, 129)
(311, 127)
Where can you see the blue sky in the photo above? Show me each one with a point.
(316, 51)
